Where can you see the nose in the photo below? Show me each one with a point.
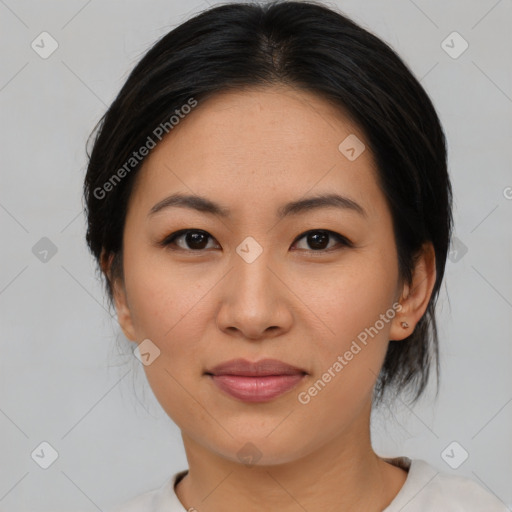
(255, 301)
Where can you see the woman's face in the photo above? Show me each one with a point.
(252, 284)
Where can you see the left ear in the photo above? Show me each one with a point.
(416, 295)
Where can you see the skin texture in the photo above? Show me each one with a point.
(252, 151)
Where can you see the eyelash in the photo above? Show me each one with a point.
(169, 240)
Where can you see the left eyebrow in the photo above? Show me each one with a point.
(300, 206)
(320, 201)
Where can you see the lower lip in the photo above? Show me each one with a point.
(256, 389)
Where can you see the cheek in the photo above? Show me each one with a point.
(347, 363)
(163, 297)
(165, 307)
(350, 297)
(355, 306)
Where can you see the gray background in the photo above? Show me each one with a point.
(63, 377)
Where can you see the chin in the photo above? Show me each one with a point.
(261, 451)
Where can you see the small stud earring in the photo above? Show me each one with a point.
(405, 325)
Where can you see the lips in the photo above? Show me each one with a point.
(261, 368)
(259, 381)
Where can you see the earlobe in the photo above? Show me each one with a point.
(124, 316)
(416, 295)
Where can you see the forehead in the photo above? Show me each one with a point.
(275, 142)
(268, 118)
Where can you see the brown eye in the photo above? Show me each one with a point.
(318, 240)
(189, 239)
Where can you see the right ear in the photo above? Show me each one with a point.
(124, 316)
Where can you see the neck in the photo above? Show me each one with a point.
(343, 474)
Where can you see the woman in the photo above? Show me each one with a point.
(269, 202)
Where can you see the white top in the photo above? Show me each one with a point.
(425, 489)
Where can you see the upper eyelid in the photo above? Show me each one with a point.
(181, 232)
(328, 231)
